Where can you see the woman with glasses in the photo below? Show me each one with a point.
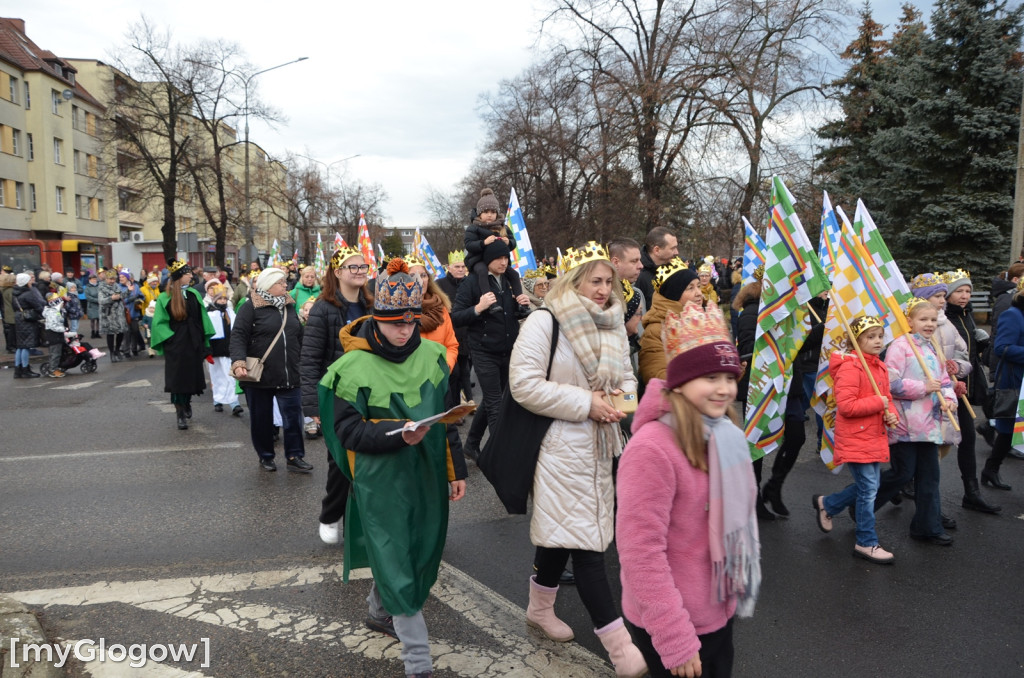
(344, 297)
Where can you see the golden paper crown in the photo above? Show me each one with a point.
(550, 271)
(456, 257)
(592, 251)
(342, 254)
(535, 273)
(951, 277)
(759, 272)
(627, 291)
(1020, 284)
(415, 260)
(173, 267)
(693, 327)
(665, 271)
(927, 280)
(863, 323)
(915, 302)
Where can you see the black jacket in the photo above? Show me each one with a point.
(26, 333)
(321, 346)
(645, 283)
(474, 238)
(450, 286)
(256, 325)
(747, 328)
(963, 320)
(488, 332)
(221, 348)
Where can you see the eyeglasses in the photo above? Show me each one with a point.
(357, 268)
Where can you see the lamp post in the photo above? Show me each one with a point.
(250, 250)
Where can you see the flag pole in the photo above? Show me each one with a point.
(853, 341)
(942, 357)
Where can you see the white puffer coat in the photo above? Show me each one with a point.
(573, 495)
(954, 348)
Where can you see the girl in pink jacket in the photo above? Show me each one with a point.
(686, 526)
(861, 441)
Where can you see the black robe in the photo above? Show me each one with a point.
(185, 350)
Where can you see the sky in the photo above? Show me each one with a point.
(396, 83)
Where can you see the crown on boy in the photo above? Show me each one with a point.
(665, 271)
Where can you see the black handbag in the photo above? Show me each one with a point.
(1001, 402)
(21, 315)
(509, 459)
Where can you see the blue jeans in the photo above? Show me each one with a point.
(866, 478)
(21, 357)
(920, 461)
(261, 420)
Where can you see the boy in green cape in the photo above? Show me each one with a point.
(396, 520)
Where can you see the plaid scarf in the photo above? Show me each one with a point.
(598, 339)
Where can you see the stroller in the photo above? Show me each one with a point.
(75, 352)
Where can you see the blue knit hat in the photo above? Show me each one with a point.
(927, 284)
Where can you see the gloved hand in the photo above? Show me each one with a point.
(960, 388)
(952, 367)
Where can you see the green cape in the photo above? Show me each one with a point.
(161, 329)
(396, 519)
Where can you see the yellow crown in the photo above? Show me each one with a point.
(342, 254)
(592, 251)
(415, 260)
(551, 270)
(627, 291)
(456, 257)
(535, 273)
(759, 272)
(863, 323)
(927, 280)
(693, 327)
(665, 271)
(915, 302)
(175, 266)
(951, 277)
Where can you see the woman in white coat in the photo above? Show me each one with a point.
(573, 495)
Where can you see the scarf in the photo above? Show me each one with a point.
(379, 345)
(278, 302)
(432, 315)
(598, 340)
(732, 521)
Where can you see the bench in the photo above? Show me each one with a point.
(982, 305)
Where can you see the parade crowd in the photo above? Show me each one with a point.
(637, 362)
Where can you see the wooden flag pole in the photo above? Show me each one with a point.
(942, 357)
(928, 375)
(856, 347)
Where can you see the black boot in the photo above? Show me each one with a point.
(762, 511)
(991, 478)
(27, 373)
(187, 407)
(179, 411)
(772, 494)
(17, 372)
(973, 501)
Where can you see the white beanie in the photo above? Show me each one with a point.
(22, 279)
(268, 277)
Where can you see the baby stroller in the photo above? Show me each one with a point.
(75, 352)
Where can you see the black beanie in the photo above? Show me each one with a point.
(677, 283)
(495, 250)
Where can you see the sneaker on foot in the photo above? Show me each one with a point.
(385, 625)
(299, 465)
(329, 533)
(237, 410)
(876, 554)
(824, 519)
(57, 374)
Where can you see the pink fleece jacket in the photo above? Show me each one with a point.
(661, 532)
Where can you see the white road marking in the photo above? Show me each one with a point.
(75, 387)
(514, 652)
(141, 383)
(141, 450)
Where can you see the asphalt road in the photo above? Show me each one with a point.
(115, 525)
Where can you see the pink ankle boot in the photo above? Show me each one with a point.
(625, 656)
(540, 613)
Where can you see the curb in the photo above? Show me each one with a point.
(18, 628)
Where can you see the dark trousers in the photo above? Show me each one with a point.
(9, 342)
(55, 340)
(459, 382)
(332, 507)
(261, 420)
(1000, 449)
(918, 461)
(965, 458)
(591, 579)
(492, 375)
(716, 652)
(114, 342)
(794, 438)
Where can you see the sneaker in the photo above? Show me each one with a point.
(268, 465)
(56, 374)
(385, 625)
(299, 465)
(876, 554)
(237, 410)
(329, 533)
(312, 430)
(824, 519)
(218, 408)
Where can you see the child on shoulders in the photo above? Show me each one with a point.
(481, 232)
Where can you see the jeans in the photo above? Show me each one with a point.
(261, 420)
(411, 631)
(591, 579)
(920, 461)
(866, 478)
(21, 357)
(56, 345)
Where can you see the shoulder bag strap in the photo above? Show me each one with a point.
(284, 321)
(554, 340)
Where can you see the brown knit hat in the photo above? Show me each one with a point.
(487, 201)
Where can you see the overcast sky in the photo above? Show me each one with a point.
(396, 82)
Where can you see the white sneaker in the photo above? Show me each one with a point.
(329, 533)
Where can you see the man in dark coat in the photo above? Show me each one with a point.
(660, 247)
(460, 377)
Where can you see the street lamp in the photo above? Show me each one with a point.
(250, 250)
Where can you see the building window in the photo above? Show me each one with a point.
(74, 117)
(94, 165)
(19, 188)
(55, 102)
(96, 209)
(90, 124)
(60, 199)
(76, 159)
(14, 90)
(16, 142)
(28, 96)
(78, 206)
(3, 192)
(7, 139)
(58, 151)
(32, 197)
(31, 146)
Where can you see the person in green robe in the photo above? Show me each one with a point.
(181, 333)
(396, 519)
